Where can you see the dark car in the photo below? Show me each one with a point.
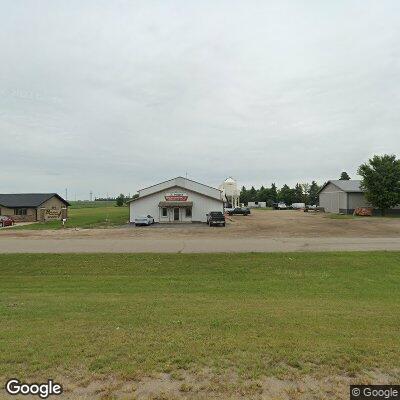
(215, 218)
(239, 211)
(6, 221)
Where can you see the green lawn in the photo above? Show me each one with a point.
(259, 314)
(91, 204)
(98, 216)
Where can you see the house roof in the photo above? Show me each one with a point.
(176, 180)
(170, 187)
(350, 186)
(27, 199)
(182, 184)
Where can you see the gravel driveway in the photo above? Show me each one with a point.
(261, 231)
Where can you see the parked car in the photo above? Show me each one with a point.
(239, 211)
(279, 206)
(144, 220)
(215, 218)
(6, 221)
(298, 206)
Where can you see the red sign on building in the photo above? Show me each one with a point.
(176, 197)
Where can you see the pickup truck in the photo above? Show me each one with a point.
(215, 218)
(279, 206)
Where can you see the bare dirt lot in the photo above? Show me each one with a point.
(260, 231)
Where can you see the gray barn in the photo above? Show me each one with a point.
(344, 196)
(338, 196)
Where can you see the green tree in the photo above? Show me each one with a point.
(344, 176)
(263, 194)
(313, 193)
(286, 195)
(120, 200)
(305, 187)
(298, 194)
(273, 194)
(244, 196)
(381, 181)
(252, 194)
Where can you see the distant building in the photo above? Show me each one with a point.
(344, 196)
(230, 192)
(32, 207)
(176, 200)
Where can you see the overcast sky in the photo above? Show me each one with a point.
(111, 96)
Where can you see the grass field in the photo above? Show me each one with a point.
(91, 204)
(91, 215)
(258, 314)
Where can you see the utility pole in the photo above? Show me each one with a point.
(66, 194)
(91, 196)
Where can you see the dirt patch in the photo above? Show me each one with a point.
(264, 231)
(260, 224)
(206, 385)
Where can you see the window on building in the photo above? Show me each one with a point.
(164, 211)
(20, 211)
(188, 212)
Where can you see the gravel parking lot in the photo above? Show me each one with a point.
(263, 230)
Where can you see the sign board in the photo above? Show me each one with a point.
(52, 214)
(176, 197)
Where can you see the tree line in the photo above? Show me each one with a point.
(380, 182)
(301, 193)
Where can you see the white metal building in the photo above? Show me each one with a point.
(257, 204)
(342, 196)
(230, 192)
(176, 200)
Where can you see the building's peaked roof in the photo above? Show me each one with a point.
(27, 199)
(351, 186)
(183, 183)
(178, 179)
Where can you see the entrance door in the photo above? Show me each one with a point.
(176, 214)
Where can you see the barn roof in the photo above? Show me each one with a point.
(181, 184)
(350, 186)
(27, 199)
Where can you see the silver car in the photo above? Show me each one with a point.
(144, 220)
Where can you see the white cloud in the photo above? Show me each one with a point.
(112, 96)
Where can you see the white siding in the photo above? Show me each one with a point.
(333, 199)
(202, 205)
(357, 200)
(184, 184)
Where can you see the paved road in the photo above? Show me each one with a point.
(199, 245)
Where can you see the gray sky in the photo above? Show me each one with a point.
(111, 96)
